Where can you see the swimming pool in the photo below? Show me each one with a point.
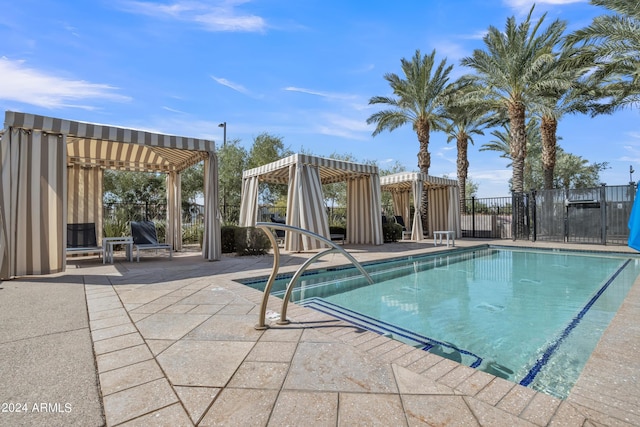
(529, 316)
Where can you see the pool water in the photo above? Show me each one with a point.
(532, 317)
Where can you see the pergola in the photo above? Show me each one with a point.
(444, 201)
(52, 174)
(305, 202)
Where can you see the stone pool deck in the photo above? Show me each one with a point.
(173, 343)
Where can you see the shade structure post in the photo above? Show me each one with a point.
(33, 201)
(211, 244)
(174, 211)
(417, 231)
(364, 214)
(249, 202)
(305, 208)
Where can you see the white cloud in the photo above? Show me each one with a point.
(235, 86)
(213, 16)
(30, 86)
(525, 5)
(319, 93)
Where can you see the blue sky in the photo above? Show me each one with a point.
(302, 70)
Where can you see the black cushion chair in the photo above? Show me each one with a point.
(145, 237)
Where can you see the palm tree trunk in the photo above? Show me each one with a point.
(424, 162)
(548, 127)
(518, 148)
(518, 144)
(462, 169)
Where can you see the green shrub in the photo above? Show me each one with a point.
(161, 230)
(117, 226)
(251, 241)
(391, 232)
(228, 238)
(193, 233)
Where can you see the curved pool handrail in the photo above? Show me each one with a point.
(266, 226)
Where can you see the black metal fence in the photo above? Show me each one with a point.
(593, 215)
(117, 216)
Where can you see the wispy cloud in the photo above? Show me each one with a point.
(523, 5)
(216, 16)
(30, 86)
(332, 95)
(231, 85)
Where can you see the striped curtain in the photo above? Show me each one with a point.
(416, 230)
(438, 209)
(33, 196)
(211, 244)
(305, 208)
(174, 210)
(454, 211)
(364, 216)
(249, 202)
(401, 206)
(84, 196)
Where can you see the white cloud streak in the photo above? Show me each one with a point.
(30, 86)
(525, 5)
(235, 86)
(319, 93)
(221, 16)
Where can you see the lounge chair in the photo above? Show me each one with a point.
(82, 239)
(145, 238)
(400, 221)
(279, 233)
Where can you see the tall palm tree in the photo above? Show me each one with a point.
(512, 71)
(571, 93)
(417, 100)
(502, 145)
(462, 123)
(612, 43)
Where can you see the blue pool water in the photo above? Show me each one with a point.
(532, 317)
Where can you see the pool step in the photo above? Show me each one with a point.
(363, 321)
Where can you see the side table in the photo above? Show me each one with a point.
(110, 242)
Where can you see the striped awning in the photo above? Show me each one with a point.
(403, 180)
(111, 147)
(305, 202)
(330, 170)
(51, 174)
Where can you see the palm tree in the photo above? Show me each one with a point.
(417, 99)
(462, 123)
(612, 44)
(571, 93)
(513, 70)
(502, 145)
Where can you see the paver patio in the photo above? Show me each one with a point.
(174, 344)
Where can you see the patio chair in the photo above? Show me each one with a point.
(279, 233)
(400, 221)
(145, 238)
(82, 239)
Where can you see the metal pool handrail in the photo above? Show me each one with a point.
(266, 226)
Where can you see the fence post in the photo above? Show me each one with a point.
(532, 209)
(603, 213)
(473, 216)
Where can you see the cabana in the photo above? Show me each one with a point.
(305, 203)
(52, 174)
(444, 201)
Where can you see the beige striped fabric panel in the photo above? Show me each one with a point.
(33, 203)
(211, 245)
(84, 195)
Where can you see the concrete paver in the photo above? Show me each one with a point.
(174, 344)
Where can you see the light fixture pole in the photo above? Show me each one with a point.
(223, 125)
